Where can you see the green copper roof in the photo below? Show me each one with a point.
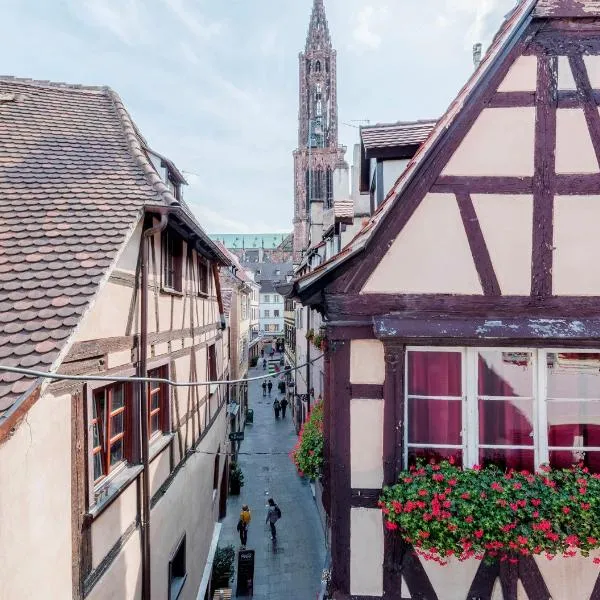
(235, 241)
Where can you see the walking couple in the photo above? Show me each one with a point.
(280, 406)
(273, 515)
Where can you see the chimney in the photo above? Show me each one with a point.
(477, 54)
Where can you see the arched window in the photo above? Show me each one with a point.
(318, 66)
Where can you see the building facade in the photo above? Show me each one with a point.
(110, 489)
(271, 311)
(463, 317)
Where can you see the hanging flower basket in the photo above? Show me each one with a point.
(447, 512)
(307, 454)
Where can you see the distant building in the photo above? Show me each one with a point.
(257, 247)
(271, 311)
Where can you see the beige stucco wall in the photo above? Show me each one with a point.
(366, 552)
(35, 504)
(366, 362)
(109, 526)
(366, 443)
(500, 142)
(127, 261)
(123, 580)
(592, 64)
(506, 223)
(430, 255)
(522, 76)
(566, 81)
(574, 149)
(577, 246)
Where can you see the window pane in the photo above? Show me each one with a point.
(155, 401)
(98, 467)
(563, 459)
(435, 454)
(506, 423)
(155, 423)
(95, 435)
(118, 397)
(434, 373)
(117, 424)
(505, 373)
(506, 458)
(99, 405)
(572, 375)
(574, 423)
(116, 452)
(434, 421)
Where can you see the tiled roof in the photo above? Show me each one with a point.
(391, 135)
(73, 179)
(227, 294)
(343, 209)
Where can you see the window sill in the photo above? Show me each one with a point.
(158, 444)
(171, 291)
(203, 295)
(110, 490)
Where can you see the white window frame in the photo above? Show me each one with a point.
(470, 397)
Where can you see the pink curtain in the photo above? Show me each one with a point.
(502, 422)
(434, 421)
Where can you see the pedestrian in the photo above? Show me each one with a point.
(264, 387)
(283, 404)
(243, 523)
(270, 386)
(281, 386)
(273, 515)
(264, 364)
(262, 352)
(276, 408)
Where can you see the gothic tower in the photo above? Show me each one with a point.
(318, 151)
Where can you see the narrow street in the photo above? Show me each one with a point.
(294, 571)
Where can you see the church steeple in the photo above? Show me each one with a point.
(318, 31)
(318, 153)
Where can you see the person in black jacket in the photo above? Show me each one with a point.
(283, 404)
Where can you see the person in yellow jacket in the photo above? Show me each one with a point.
(242, 527)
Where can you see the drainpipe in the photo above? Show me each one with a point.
(143, 400)
(308, 343)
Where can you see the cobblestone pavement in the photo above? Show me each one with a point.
(294, 571)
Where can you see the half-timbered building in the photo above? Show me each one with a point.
(108, 488)
(464, 318)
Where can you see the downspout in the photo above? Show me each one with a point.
(308, 342)
(215, 270)
(143, 400)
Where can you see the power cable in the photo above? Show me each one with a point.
(116, 378)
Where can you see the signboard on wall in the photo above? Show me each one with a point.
(245, 577)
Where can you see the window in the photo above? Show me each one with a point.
(244, 307)
(172, 261)
(266, 314)
(202, 276)
(267, 298)
(110, 428)
(513, 408)
(275, 313)
(177, 571)
(158, 402)
(212, 368)
(318, 66)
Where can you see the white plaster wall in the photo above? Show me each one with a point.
(341, 183)
(430, 255)
(108, 315)
(366, 443)
(500, 142)
(159, 470)
(576, 246)
(522, 76)
(592, 63)
(128, 260)
(569, 578)
(566, 81)
(108, 527)
(392, 169)
(366, 552)
(367, 362)
(123, 580)
(35, 504)
(187, 507)
(454, 579)
(506, 223)
(574, 149)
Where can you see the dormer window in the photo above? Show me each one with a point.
(172, 261)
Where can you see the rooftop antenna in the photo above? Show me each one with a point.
(477, 48)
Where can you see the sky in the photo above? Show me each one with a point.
(214, 85)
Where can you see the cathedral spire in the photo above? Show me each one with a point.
(318, 30)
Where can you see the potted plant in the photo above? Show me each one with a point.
(308, 451)
(310, 334)
(236, 479)
(223, 568)
(317, 340)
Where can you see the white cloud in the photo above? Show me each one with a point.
(200, 27)
(367, 20)
(122, 18)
